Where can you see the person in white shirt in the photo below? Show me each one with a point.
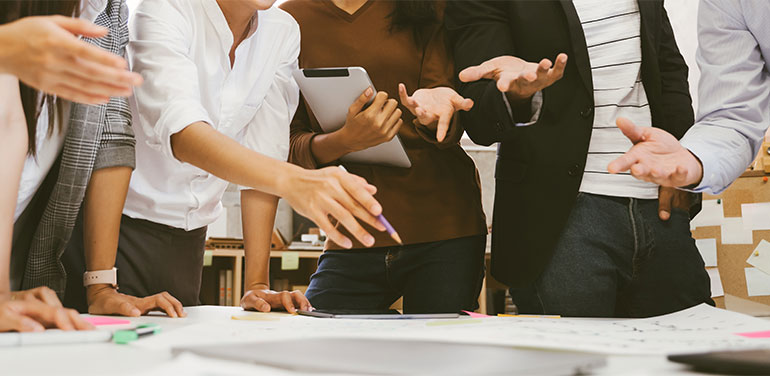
(215, 107)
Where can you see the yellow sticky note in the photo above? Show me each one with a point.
(289, 260)
(452, 322)
(208, 257)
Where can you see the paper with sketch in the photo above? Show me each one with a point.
(700, 328)
(756, 216)
(757, 282)
(716, 282)
(733, 232)
(708, 251)
(760, 258)
(712, 214)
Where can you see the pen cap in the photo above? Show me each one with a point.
(123, 337)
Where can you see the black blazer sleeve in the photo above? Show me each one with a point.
(675, 90)
(479, 31)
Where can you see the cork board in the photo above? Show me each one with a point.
(731, 258)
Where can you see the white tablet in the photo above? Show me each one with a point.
(330, 92)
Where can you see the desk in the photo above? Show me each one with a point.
(108, 358)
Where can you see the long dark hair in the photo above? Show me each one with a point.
(418, 15)
(31, 99)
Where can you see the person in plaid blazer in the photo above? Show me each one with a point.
(90, 175)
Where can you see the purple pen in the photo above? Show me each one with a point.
(390, 229)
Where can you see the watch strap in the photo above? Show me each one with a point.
(101, 277)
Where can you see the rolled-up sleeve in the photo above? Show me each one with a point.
(169, 99)
(734, 92)
(117, 144)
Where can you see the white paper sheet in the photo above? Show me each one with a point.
(756, 216)
(712, 214)
(757, 282)
(733, 232)
(760, 258)
(716, 283)
(700, 328)
(192, 365)
(708, 250)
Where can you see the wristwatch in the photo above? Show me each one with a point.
(101, 277)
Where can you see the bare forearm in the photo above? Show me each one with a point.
(12, 153)
(327, 148)
(204, 147)
(258, 216)
(103, 209)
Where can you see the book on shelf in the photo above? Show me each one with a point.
(229, 288)
(222, 287)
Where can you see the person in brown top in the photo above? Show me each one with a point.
(436, 204)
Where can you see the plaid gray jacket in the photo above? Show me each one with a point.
(98, 137)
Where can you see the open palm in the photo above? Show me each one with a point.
(657, 157)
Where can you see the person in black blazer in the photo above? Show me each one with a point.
(567, 237)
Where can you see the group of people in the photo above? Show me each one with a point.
(113, 174)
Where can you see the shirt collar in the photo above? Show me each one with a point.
(91, 9)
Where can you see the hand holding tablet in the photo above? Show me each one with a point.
(338, 98)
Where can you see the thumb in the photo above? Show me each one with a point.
(665, 196)
(18, 322)
(634, 133)
(460, 103)
(80, 27)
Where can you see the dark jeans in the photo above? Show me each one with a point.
(616, 258)
(151, 258)
(437, 277)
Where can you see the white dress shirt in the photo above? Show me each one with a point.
(181, 47)
(734, 89)
(49, 144)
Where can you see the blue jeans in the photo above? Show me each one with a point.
(436, 277)
(616, 258)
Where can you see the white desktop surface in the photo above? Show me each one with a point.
(112, 359)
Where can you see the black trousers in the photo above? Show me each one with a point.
(438, 277)
(151, 258)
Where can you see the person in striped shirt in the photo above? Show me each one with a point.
(570, 238)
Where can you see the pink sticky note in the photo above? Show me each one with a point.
(101, 320)
(475, 315)
(764, 334)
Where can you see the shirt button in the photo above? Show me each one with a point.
(587, 112)
(574, 171)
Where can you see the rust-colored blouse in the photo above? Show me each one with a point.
(439, 197)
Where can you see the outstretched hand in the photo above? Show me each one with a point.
(45, 53)
(434, 107)
(518, 78)
(656, 157)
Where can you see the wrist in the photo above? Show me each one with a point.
(93, 291)
(697, 167)
(286, 179)
(258, 286)
(338, 140)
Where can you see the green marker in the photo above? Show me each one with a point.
(123, 337)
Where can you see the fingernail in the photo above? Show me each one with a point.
(136, 312)
(368, 91)
(31, 325)
(346, 244)
(376, 208)
(369, 240)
